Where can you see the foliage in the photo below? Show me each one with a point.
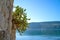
(19, 19)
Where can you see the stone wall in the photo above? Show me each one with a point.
(6, 7)
(1, 35)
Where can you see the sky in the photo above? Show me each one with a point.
(40, 10)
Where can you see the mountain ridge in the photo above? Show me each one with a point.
(45, 21)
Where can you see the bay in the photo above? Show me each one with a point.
(37, 35)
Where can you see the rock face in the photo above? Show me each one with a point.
(6, 7)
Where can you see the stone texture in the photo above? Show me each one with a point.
(6, 7)
(1, 35)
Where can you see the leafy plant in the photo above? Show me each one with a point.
(19, 19)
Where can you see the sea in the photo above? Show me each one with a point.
(38, 35)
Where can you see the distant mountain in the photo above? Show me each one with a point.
(46, 25)
(37, 28)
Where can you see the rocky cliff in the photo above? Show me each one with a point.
(6, 7)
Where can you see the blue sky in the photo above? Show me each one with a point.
(41, 10)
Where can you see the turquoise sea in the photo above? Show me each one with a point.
(38, 35)
(41, 31)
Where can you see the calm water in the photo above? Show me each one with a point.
(38, 35)
(37, 38)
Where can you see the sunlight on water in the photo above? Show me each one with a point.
(38, 37)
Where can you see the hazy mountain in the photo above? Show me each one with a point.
(45, 25)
